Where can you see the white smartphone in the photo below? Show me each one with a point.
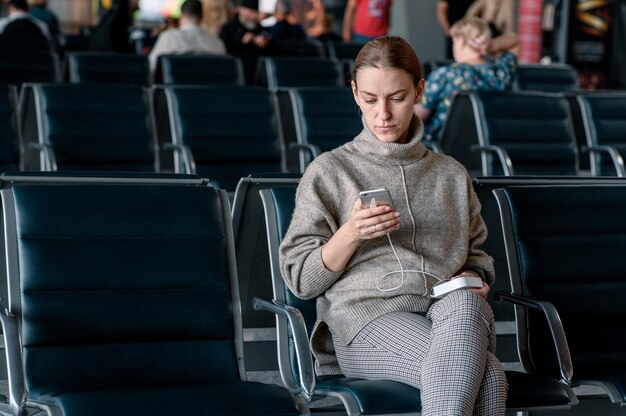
(381, 196)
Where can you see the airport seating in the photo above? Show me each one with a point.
(253, 267)
(199, 69)
(546, 78)
(297, 47)
(524, 134)
(222, 133)
(107, 68)
(19, 67)
(605, 130)
(323, 118)
(87, 127)
(25, 35)
(131, 309)
(296, 317)
(344, 50)
(9, 133)
(289, 71)
(564, 249)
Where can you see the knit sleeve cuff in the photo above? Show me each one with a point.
(319, 278)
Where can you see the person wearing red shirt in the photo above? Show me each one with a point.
(365, 20)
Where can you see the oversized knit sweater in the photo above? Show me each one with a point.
(440, 232)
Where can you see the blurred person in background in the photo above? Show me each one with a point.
(328, 30)
(448, 13)
(499, 14)
(481, 64)
(112, 32)
(214, 15)
(245, 38)
(286, 26)
(20, 22)
(39, 10)
(190, 37)
(365, 20)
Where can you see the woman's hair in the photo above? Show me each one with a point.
(474, 30)
(390, 52)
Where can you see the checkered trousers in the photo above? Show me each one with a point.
(448, 354)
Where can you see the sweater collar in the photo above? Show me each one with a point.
(394, 153)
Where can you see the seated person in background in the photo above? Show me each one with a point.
(20, 23)
(371, 268)
(286, 26)
(481, 64)
(39, 10)
(190, 37)
(328, 30)
(245, 37)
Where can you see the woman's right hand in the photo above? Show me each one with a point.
(372, 222)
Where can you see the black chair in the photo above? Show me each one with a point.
(19, 67)
(9, 132)
(253, 267)
(107, 68)
(199, 69)
(344, 50)
(605, 130)
(223, 133)
(525, 134)
(87, 127)
(546, 78)
(323, 119)
(25, 35)
(125, 302)
(288, 71)
(296, 317)
(298, 47)
(564, 247)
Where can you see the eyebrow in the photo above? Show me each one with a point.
(389, 95)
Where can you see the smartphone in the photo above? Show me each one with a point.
(381, 196)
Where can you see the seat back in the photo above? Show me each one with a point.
(557, 251)
(253, 265)
(81, 127)
(199, 70)
(534, 129)
(325, 118)
(604, 123)
(122, 284)
(24, 34)
(460, 133)
(344, 50)
(9, 133)
(278, 204)
(289, 71)
(18, 67)
(107, 68)
(547, 78)
(298, 47)
(230, 131)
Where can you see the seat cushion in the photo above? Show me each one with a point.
(375, 396)
(228, 398)
(535, 391)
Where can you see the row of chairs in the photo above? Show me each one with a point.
(527, 133)
(193, 219)
(222, 133)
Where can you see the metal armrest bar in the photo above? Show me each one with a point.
(556, 329)
(187, 164)
(17, 391)
(300, 339)
(311, 148)
(616, 158)
(503, 157)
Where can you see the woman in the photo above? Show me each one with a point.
(371, 267)
(476, 68)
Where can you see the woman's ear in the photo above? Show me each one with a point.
(419, 91)
(355, 92)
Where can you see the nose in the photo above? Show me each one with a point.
(383, 110)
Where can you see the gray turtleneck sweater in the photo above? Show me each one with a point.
(440, 232)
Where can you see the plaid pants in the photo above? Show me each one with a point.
(448, 354)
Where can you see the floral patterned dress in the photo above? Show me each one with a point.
(445, 82)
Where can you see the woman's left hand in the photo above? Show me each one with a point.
(482, 292)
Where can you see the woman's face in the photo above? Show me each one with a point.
(386, 97)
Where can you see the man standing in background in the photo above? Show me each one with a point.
(448, 13)
(365, 20)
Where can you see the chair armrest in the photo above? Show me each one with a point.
(17, 391)
(433, 145)
(183, 162)
(300, 340)
(312, 149)
(554, 323)
(47, 159)
(616, 158)
(503, 156)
